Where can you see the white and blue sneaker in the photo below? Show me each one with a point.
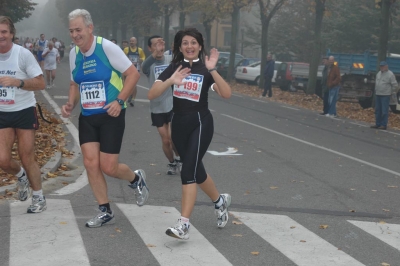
(140, 188)
(38, 204)
(179, 230)
(102, 218)
(222, 212)
(23, 187)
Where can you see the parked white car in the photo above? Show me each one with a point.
(251, 73)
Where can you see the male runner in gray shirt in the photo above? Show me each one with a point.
(161, 107)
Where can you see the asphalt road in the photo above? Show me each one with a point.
(296, 171)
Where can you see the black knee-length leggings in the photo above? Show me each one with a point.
(191, 134)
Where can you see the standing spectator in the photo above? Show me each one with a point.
(268, 75)
(324, 86)
(114, 41)
(19, 78)
(385, 85)
(333, 83)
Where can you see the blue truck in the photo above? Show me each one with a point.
(358, 77)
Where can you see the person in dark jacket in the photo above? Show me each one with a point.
(268, 75)
(333, 83)
(324, 86)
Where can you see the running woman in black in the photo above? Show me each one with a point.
(191, 74)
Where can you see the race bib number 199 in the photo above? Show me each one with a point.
(93, 94)
(7, 95)
(191, 89)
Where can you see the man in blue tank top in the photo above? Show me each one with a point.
(97, 66)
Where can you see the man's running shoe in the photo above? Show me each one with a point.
(23, 187)
(102, 218)
(172, 169)
(178, 164)
(38, 204)
(140, 188)
(180, 231)
(222, 212)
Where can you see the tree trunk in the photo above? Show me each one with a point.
(123, 32)
(234, 33)
(207, 28)
(166, 24)
(316, 53)
(384, 31)
(264, 49)
(182, 16)
(114, 29)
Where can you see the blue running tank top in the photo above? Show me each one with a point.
(99, 83)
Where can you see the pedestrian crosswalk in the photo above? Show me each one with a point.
(56, 233)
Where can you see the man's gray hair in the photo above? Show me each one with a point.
(50, 43)
(87, 18)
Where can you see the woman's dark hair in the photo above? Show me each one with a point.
(177, 55)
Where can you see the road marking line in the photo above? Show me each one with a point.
(167, 250)
(142, 100)
(60, 97)
(79, 183)
(290, 108)
(237, 95)
(358, 124)
(259, 101)
(140, 86)
(316, 146)
(389, 132)
(50, 238)
(296, 242)
(388, 233)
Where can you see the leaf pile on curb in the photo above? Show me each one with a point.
(351, 110)
(49, 138)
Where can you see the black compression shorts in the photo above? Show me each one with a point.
(191, 134)
(23, 119)
(104, 129)
(158, 120)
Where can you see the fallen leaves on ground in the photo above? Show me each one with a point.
(255, 253)
(49, 138)
(323, 226)
(236, 222)
(351, 110)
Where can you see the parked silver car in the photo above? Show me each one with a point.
(251, 73)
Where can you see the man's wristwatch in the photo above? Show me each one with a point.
(21, 84)
(212, 69)
(121, 102)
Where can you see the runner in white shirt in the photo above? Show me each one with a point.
(51, 58)
(20, 76)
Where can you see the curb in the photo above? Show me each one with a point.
(50, 166)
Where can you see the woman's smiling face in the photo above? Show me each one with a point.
(190, 48)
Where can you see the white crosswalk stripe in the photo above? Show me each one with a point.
(299, 244)
(53, 231)
(169, 251)
(56, 232)
(388, 233)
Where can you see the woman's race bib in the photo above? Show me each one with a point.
(191, 89)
